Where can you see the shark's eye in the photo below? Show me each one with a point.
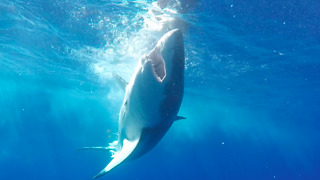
(125, 103)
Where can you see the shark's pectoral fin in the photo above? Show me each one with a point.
(122, 83)
(95, 148)
(119, 157)
(179, 118)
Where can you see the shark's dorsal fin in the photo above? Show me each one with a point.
(122, 83)
(179, 118)
(119, 157)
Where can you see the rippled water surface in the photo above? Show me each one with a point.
(252, 88)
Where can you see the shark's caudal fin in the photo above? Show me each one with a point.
(119, 157)
(122, 83)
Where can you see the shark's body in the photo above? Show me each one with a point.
(152, 99)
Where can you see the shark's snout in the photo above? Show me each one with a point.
(173, 39)
(162, 57)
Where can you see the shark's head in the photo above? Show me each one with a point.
(167, 58)
(160, 76)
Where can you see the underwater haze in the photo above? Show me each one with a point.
(252, 88)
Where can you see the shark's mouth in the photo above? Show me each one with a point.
(158, 64)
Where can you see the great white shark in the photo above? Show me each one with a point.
(152, 100)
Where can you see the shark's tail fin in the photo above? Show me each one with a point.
(101, 173)
(119, 157)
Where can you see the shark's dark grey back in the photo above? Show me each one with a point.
(149, 138)
(174, 87)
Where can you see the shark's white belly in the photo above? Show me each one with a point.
(141, 115)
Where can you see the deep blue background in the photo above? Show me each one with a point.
(252, 97)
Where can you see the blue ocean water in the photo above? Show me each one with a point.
(252, 88)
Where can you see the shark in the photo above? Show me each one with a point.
(152, 100)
